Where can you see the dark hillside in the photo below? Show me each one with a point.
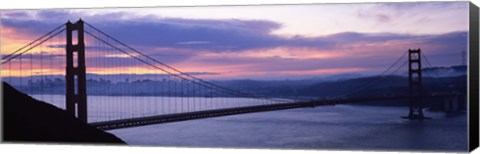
(27, 119)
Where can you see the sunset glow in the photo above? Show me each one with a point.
(258, 42)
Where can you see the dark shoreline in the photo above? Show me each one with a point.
(26, 119)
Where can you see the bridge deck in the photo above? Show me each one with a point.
(124, 123)
(116, 124)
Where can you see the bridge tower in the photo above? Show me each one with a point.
(415, 84)
(76, 92)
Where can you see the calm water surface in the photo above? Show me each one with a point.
(332, 127)
(328, 127)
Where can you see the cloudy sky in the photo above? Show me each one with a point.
(257, 42)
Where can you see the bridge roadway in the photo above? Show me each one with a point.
(133, 122)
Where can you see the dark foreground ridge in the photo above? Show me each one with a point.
(27, 119)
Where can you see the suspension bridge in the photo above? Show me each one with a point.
(53, 68)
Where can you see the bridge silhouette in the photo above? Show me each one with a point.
(172, 95)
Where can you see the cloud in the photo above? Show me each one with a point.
(15, 14)
(221, 35)
(199, 34)
(29, 27)
(244, 47)
(193, 43)
(231, 34)
(406, 6)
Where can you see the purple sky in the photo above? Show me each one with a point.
(260, 42)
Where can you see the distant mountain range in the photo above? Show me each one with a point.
(437, 79)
